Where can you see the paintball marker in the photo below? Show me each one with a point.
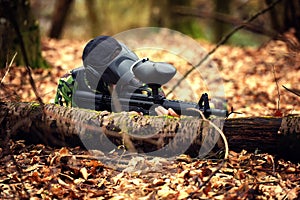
(154, 74)
(145, 103)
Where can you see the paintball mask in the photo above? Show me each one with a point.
(110, 60)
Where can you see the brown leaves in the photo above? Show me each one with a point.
(72, 173)
(50, 173)
(249, 81)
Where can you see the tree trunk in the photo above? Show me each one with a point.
(93, 17)
(285, 15)
(62, 8)
(19, 32)
(160, 13)
(61, 126)
(220, 28)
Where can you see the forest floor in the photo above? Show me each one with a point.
(248, 75)
(253, 79)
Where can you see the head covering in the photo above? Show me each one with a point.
(102, 57)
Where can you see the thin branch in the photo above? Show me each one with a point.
(295, 92)
(218, 129)
(276, 81)
(223, 41)
(212, 174)
(8, 68)
(194, 12)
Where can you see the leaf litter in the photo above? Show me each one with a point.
(43, 172)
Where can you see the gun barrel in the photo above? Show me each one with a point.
(141, 103)
(190, 108)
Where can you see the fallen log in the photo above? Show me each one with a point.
(55, 125)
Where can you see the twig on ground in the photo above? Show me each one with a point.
(212, 174)
(8, 68)
(226, 149)
(276, 81)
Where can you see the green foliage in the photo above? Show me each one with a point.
(246, 38)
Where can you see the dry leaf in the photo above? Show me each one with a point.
(84, 173)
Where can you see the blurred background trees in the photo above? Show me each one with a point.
(285, 16)
(201, 19)
(59, 16)
(209, 20)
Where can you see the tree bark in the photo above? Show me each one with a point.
(19, 32)
(62, 126)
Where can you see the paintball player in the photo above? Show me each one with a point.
(107, 67)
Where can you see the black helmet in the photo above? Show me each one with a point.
(102, 58)
(111, 61)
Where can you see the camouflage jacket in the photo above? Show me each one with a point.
(68, 84)
(65, 90)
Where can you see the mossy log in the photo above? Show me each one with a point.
(55, 125)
